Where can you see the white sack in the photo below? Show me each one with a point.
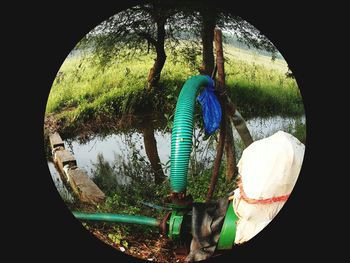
(268, 168)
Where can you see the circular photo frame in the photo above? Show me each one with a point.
(175, 132)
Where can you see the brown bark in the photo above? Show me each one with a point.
(150, 144)
(218, 158)
(220, 83)
(220, 87)
(154, 73)
(207, 35)
(227, 107)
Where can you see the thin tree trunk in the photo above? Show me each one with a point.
(220, 88)
(220, 83)
(207, 34)
(229, 142)
(153, 80)
(152, 153)
(218, 157)
(154, 73)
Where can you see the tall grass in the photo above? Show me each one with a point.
(84, 91)
(259, 86)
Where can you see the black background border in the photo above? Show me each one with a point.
(50, 31)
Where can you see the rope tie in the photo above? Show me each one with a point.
(281, 198)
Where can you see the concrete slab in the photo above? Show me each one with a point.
(84, 187)
(56, 140)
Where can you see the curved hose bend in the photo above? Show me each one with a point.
(181, 137)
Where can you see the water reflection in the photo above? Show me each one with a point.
(61, 188)
(118, 151)
(121, 144)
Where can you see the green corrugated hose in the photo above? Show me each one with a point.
(181, 147)
(131, 219)
(181, 137)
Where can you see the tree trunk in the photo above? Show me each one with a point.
(152, 152)
(220, 83)
(229, 142)
(154, 73)
(226, 137)
(218, 157)
(207, 34)
(220, 88)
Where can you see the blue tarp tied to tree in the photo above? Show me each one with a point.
(211, 108)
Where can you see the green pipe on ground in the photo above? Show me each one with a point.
(182, 131)
(130, 219)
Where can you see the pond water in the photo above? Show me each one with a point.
(61, 188)
(123, 144)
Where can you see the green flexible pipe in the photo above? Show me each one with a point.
(181, 147)
(131, 219)
(181, 137)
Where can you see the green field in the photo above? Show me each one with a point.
(84, 91)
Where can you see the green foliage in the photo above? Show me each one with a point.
(115, 237)
(136, 30)
(298, 130)
(127, 198)
(198, 185)
(126, 194)
(118, 235)
(104, 176)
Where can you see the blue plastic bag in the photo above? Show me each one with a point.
(211, 108)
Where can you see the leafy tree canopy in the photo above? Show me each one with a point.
(136, 30)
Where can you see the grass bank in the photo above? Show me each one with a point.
(84, 92)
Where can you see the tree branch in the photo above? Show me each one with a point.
(148, 37)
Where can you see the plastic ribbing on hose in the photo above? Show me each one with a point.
(131, 219)
(181, 137)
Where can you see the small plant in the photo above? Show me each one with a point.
(117, 238)
(103, 175)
